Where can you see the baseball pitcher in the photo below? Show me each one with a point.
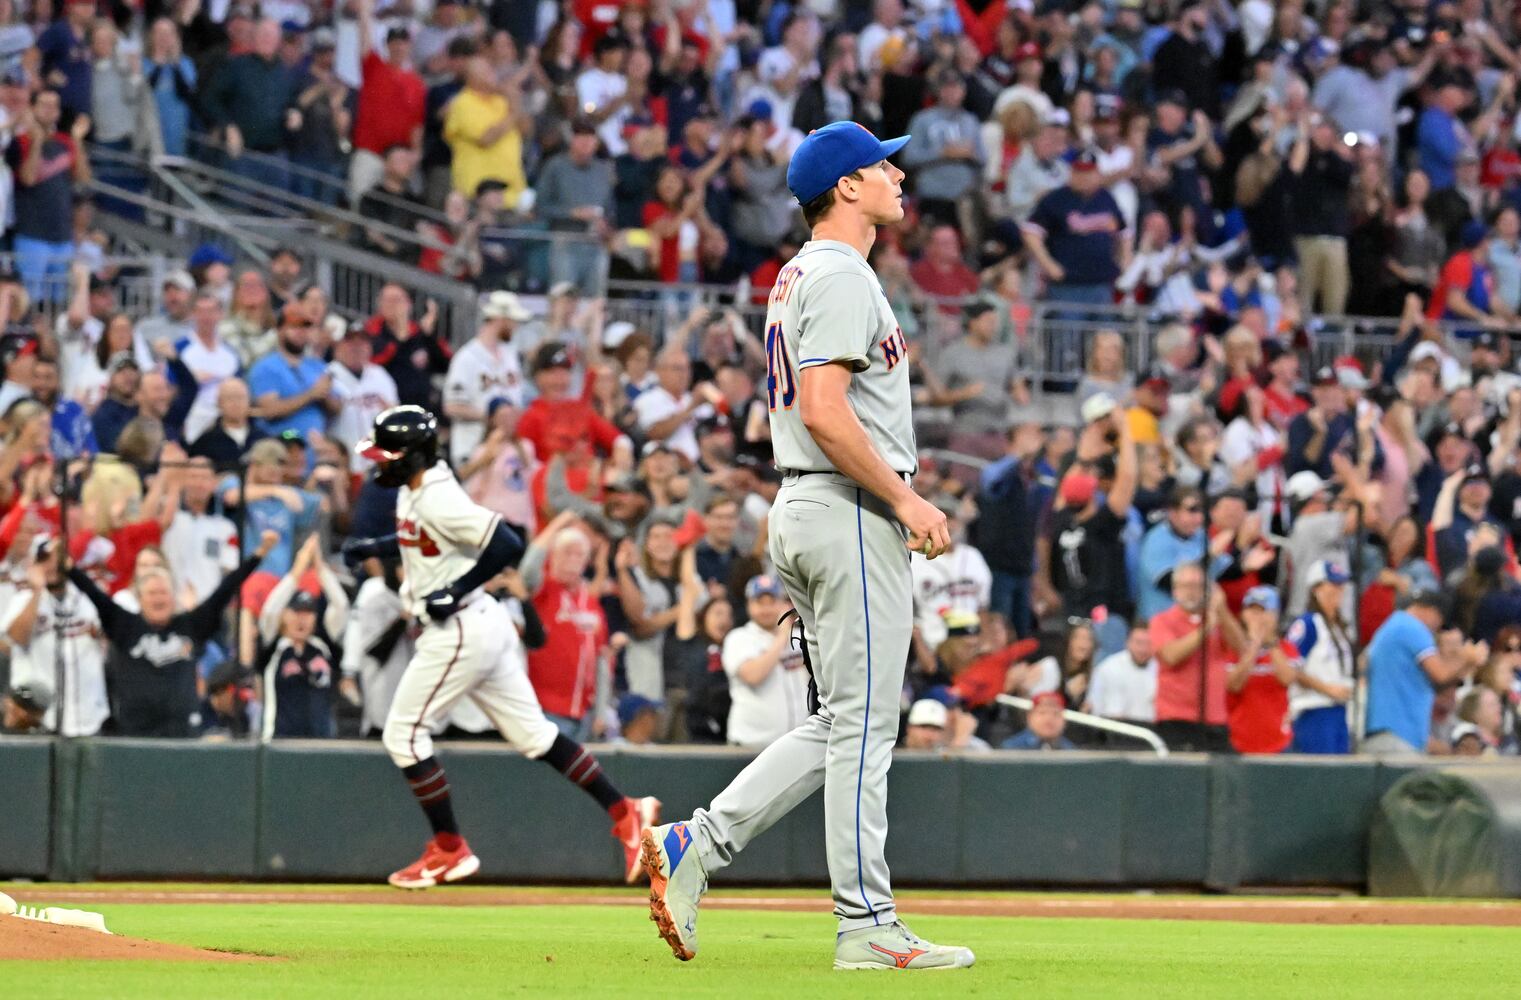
(842, 528)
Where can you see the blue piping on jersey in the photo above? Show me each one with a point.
(809, 361)
(866, 723)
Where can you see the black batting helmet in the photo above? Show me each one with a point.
(403, 442)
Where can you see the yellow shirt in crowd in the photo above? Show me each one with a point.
(471, 115)
(1144, 428)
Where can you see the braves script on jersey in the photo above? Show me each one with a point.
(827, 306)
(441, 532)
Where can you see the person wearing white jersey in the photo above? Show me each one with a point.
(211, 362)
(768, 685)
(488, 367)
(841, 529)
(50, 624)
(1124, 684)
(366, 389)
(956, 580)
(450, 548)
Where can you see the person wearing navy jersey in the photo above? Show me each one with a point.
(1076, 234)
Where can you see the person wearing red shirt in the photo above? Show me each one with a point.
(392, 103)
(941, 272)
(1257, 686)
(559, 422)
(1281, 401)
(564, 669)
(1192, 658)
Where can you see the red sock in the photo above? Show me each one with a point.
(448, 841)
(619, 810)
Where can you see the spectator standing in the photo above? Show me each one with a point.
(64, 47)
(946, 161)
(251, 99)
(1040, 167)
(323, 102)
(1441, 135)
(1322, 638)
(389, 202)
(1011, 499)
(575, 194)
(1257, 686)
(46, 164)
(411, 351)
(566, 670)
(282, 513)
(228, 439)
(1321, 165)
(154, 653)
(72, 434)
(209, 361)
(484, 133)
(392, 100)
(49, 625)
(602, 91)
(1124, 684)
(292, 391)
(1194, 657)
(1180, 149)
(1407, 665)
(1317, 433)
(1076, 234)
(229, 710)
(200, 544)
(647, 581)
(377, 645)
(1087, 533)
(155, 336)
(768, 687)
(299, 664)
(363, 390)
(979, 379)
(669, 410)
(172, 79)
(249, 327)
(1185, 62)
(487, 368)
(120, 405)
(1176, 539)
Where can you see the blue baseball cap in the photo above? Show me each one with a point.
(630, 705)
(834, 151)
(1325, 571)
(1261, 597)
(763, 584)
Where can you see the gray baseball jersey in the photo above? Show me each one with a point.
(827, 306)
(840, 553)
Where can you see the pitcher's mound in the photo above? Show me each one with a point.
(30, 939)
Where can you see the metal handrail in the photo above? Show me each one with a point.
(1141, 733)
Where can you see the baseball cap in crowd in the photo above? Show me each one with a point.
(718, 423)
(959, 623)
(1059, 117)
(1055, 697)
(551, 355)
(13, 346)
(928, 712)
(1465, 731)
(1084, 162)
(1154, 379)
(1349, 373)
(302, 601)
(1077, 488)
(1263, 597)
(1436, 600)
(1489, 560)
(582, 126)
(1304, 485)
(764, 585)
(226, 674)
(560, 288)
(1098, 406)
(1106, 108)
(398, 33)
(651, 447)
(503, 304)
(207, 254)
(180, 278)
(1427, 350)
(1027, 50)
(1325, 571)
(31, 697)
(834, 151)
(1488, 340)
(616, 333)
(1475, 473)
(1472, 234)
(324, 39)
(355, 330)
(1173, 96)
(120, 360)
(631, 706)
(1325, 375)
(294, 314)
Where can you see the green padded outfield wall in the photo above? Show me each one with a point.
(85, 809)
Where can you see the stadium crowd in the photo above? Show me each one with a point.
(1237, 547)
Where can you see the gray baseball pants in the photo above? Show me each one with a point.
(839, 551)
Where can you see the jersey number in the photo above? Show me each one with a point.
(414, 536)
(779, 378)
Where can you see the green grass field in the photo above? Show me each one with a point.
(380, 952)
